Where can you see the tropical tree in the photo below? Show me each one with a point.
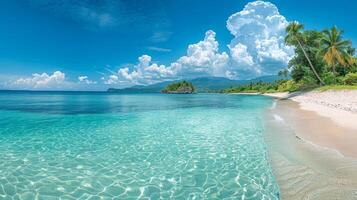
(334, 48)
(283, 73)
(351, 60)
(293, 31)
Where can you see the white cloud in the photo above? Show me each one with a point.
(145, 72)
(55, 81)
(159, 49)
(113, 79)
(258, 45)
(160, 36)
(240, 54)
(84, 79)
(202, 59)
(257, 48)
(100, 19)
(41, 81)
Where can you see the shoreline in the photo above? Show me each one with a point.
(245, 93)
(313, 156)
(319, 130)
(303, 167)
(335, 123)
(339, 106)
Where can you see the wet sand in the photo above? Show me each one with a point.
(338, 105)
(312, 157)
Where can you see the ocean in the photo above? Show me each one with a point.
(87, 145)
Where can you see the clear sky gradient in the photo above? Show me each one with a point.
(89, 42)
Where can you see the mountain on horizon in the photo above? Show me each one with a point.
(202, 84)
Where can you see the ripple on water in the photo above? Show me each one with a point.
(190, 153)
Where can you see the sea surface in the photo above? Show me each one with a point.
(81, 145)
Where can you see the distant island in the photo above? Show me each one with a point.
(202, 84)
(183, 87)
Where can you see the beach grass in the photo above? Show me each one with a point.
(336, 87)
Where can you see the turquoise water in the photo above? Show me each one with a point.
(92, 145)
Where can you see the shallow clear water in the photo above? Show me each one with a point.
(91, 145)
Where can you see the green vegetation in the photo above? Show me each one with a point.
(183, 87)
(323, 60)
(350, 79)
(264, 87)
(336, 87)
(295, 37)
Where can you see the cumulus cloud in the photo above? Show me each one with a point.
(143, 73)
(84, 79)
(113, 79)
(257, 48)
(258, 45)
(239, 53)
(202, 59)
(41, 81)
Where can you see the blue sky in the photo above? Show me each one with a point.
(93, 45)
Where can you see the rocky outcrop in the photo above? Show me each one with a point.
(179, 88)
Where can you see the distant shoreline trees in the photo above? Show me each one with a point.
(183, 87)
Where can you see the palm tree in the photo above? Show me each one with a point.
(293, 31)
(351, 60)
(334, 48)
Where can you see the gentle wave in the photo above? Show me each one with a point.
(278, 118)
(273, 106)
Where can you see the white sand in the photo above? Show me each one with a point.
(340, 106)
(312, 158)
(313, 144)
(246, 93)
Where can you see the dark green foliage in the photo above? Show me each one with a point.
(284, 73)
(350, 79)
(179, 87)
(315, 44)
(321, 58)
(335, 50)
(299, 65)
(175, 86)
(329, 78)
(264, 87)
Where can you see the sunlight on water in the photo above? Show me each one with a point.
(133, 146)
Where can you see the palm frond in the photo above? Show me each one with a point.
(334, 47)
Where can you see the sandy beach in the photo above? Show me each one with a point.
(339, 106)
(312, 140)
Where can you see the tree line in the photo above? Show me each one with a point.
(322, 58)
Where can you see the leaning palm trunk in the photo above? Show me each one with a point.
(311, 66)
